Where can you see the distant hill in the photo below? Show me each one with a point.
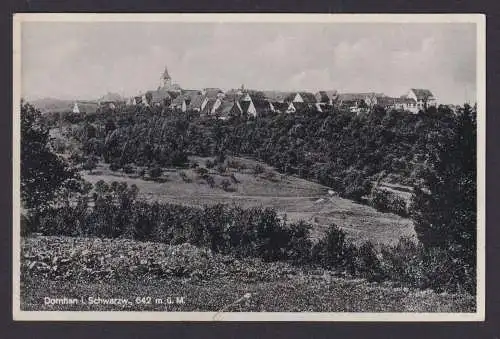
(53, 105)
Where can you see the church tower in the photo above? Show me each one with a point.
(166, 80)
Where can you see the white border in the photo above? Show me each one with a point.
(478, 19)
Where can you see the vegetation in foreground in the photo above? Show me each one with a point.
(445, 257)
(119, 268)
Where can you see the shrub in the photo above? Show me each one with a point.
(386, 201)
(225, 184)
(184, 176)
(210, 180)
(404, 263)
(210, 164)
(298, 249)
(155, 172)
(128, 168)
(221, 168)
(90, 164)
(114, 166)
(329, 251)
(368, 264)
(258, 169)
(202, 171)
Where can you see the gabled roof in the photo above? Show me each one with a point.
(244, 106)
(308, 97)
(208, 107)
(159, 96)
(358, 96)
(326, 96)
(196, 101)
(280, 106)
(233, 96)
(304, 105)
(212, 92)
(422, 94)
(86, 107)
(178, 101)
(191, 92)
(225, 108)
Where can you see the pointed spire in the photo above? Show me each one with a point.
(165, 74)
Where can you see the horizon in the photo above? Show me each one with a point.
(84, 61)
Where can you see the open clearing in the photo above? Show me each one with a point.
(299, 199)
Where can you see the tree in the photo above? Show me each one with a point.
(42, 171)
(444, 209)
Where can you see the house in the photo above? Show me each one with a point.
(179, 103)
(212, 92)
(111, 101)
(254, 104)
(326, 97)
(196, 103)
(84, 107)
(401, 103)
(299, 101)
(160, 98)
(280, 107)
(228, 109)
(234, 94)
(358, 102)
(405, 104)
(423, 97)
(208, 106)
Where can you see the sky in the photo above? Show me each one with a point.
(86, 60)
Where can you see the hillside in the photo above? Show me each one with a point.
(119, 268)
(299, 199)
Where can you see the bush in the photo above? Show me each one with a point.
(404, 263)
(330, 250)
(202, 171)
(298, 249)
(210, 164)
(221, 168)
(114, 166)
(225, 184)
(386, 201)
(155, 172)
(258, 169)
(368, 264)
(90, 164)
(184, 176)
(128, 168)
(210, 180)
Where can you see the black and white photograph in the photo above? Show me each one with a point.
(249, 167)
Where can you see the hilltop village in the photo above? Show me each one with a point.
(214, 102)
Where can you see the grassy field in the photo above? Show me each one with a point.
(297, 198)
(218, 283)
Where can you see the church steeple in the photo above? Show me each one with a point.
(166, 80)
